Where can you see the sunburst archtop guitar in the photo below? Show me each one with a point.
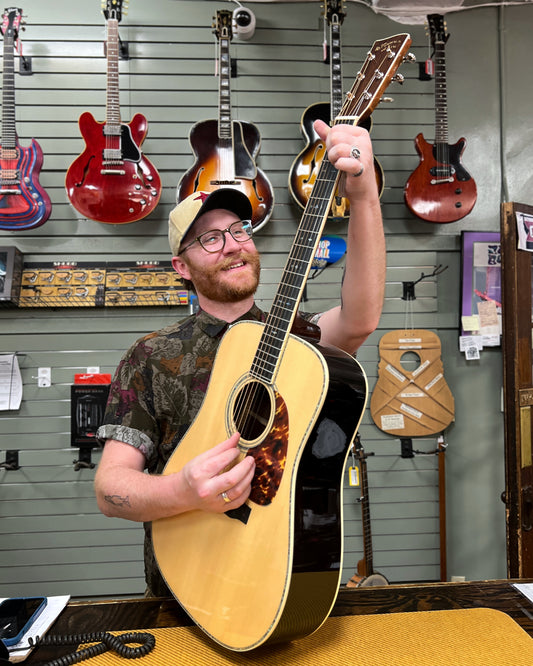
(226, 150)
(24, 204)
(269, 571)
(305, 167)
(440, 189)
(112, 181)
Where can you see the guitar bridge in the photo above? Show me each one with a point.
(113, 172)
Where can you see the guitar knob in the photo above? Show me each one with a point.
(143, 202)
(137, 187)
(149, 177)
(154, 193)
(458, 204)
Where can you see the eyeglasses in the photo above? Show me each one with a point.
(214, 240)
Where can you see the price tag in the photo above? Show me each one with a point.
(353, 476)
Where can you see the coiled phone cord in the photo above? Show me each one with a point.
(107, 642)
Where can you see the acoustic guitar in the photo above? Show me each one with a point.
(226, 150)
(365, 576)
(270, 570)
(440, 189)
(112, 181)
(24, 204)
(304, 169)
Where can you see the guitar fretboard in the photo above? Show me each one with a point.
(441, 101)
(224, 92)
(289, 293)
(336, 69)
(113, 121)
(9, 132)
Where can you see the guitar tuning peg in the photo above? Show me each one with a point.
(410, 57)
(399, 78)
(387, 99)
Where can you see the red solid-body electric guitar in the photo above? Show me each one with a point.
(440, 189)
(23, 202)
(112, 181)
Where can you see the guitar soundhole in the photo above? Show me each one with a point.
(253, 411)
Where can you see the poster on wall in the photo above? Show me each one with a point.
(481, 308)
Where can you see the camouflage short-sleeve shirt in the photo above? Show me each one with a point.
(160, 384)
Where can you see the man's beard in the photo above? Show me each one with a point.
(206, 280)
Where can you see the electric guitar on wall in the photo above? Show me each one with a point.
(304, 169)
(226, 149)
(365, 576)
(270, 570)
(440, 189)
(23, 202)
(112, 181)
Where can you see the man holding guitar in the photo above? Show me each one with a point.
(159, 386)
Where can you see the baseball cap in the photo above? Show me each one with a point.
(185, 214)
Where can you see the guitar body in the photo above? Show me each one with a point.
(23, 202)
(210, 170)
(270, 570)
(304, 169)
(440, 190)
(114, 191)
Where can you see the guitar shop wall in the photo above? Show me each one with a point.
(428, 521)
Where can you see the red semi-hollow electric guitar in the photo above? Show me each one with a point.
(112, 181)
(440, 189)
(23, 202)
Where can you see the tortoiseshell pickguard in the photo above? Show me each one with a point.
(270, 457)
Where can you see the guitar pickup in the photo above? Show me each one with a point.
(9, 191)
(113, 172)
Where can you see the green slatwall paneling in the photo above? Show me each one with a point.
(53, 540)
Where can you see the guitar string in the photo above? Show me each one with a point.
(324, 187)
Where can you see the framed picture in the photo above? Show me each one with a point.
(481, 305)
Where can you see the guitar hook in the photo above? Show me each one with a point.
(409, 287)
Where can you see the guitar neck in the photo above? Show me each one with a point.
(224, 90)
(441, 102)
(113, 121)
(289, 293)
(365, 511)
(9, 132)
(335, 68)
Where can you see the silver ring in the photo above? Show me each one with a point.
(355, 152)
(356, 175)
(225, 497)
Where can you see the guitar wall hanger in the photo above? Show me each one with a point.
(25, 68)
(409, 287)
(123, 50)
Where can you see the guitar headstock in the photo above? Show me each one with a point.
(11, 22)
(378, 70)
(437, 29)
(113, 9)
(334, 11)
(222, 25)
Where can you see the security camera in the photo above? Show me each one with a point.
(243, 23)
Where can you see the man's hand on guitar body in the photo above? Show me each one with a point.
(216, 480)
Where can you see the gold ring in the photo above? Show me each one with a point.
(225, 497)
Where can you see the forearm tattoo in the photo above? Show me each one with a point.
(117, 500)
